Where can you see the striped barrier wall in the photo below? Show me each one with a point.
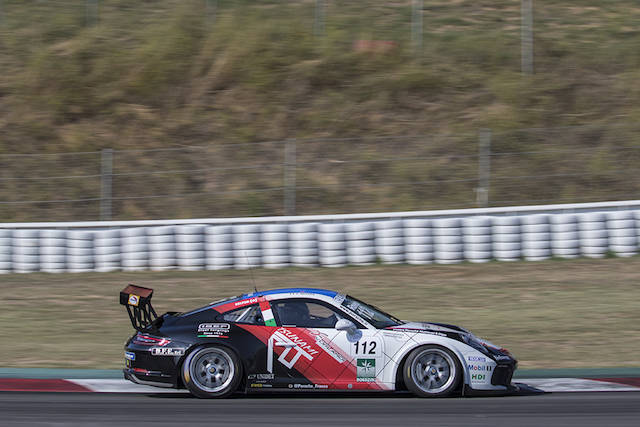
(328, 241)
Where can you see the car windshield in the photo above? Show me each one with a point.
(378, 318)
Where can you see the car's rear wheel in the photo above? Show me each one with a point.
(211, 372)
(432, 371)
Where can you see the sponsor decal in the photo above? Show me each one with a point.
(303, 386)
(421, 331)
(213, 330)
(395, 335)
(365, 311)
(366, 370)
(264, 376)
(246, 302)
(339, 298)
(213, 327)
(129, 355)
(167, 351)
(476, 359)
(309, 386)
(292, 343)
(480, 368)
(134, 300)
(502, 357)
(260, 385)
(329, 350)
(478, 377)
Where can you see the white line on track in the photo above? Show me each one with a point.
(574, 385)
(544, 384)
(121, 386)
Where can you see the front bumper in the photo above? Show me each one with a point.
(502, 391)
(503, 373)
(492, 376)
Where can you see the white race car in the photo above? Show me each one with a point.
(305, 339)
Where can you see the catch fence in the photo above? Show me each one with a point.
(325, 175)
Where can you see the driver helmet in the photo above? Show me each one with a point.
(295, 313)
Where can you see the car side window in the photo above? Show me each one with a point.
(250, 315)
(305, 314)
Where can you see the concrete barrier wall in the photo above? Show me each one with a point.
(445, 237)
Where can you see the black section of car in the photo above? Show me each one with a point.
(502, 375)
(182, 330)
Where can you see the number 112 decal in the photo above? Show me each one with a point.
(366, 347)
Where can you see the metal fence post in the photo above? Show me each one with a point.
(318, 22)
(91, 12)
(212, 8)
(290, 177)
(527, 36)
(416, 25)
(106, 172)
(484, 168)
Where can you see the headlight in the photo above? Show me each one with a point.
(484, 346)
(473, 341)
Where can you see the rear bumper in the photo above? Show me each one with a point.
(150, 378)
(143, 367)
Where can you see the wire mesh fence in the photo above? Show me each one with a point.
(323, 176)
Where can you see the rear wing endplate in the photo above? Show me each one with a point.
(138, 302)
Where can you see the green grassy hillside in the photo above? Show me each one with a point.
(217, 74)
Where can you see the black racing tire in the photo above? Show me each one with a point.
(212, 372)
(432, 371)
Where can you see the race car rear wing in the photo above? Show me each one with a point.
(138, 302)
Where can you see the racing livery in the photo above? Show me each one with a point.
(305, 339)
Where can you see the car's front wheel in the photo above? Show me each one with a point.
(432, 371)
(211, 372)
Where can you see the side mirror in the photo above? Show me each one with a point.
(353, 333)
(345, 325)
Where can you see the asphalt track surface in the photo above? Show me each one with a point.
(98, 409)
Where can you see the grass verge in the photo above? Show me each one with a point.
(551, 314)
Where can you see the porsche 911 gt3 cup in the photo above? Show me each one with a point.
(305, 339)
